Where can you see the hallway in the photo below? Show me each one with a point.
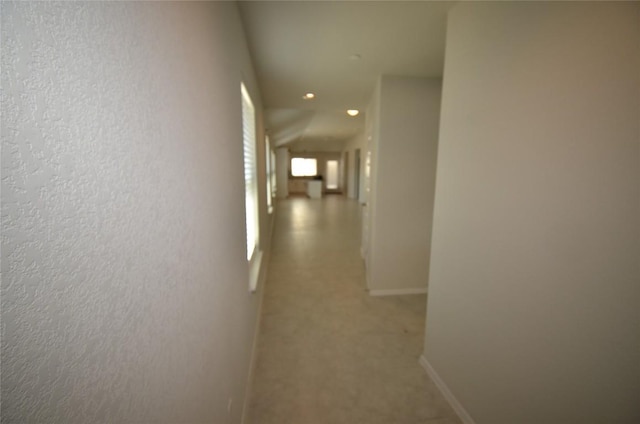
(327, 352)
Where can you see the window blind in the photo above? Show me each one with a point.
(267, 155)
(250, 172)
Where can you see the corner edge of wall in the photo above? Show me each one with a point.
(444, 389)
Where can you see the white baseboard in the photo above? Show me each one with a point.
(455, 404)
(397, 292)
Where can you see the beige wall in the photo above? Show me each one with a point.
(534, 292)
(282, 172)
(125, 293)
(405, 141)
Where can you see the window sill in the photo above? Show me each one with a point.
(255, 264)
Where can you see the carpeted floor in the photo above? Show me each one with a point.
(328, 353)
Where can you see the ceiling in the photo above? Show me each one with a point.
(337, 50)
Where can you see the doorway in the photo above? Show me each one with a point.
(345, 174)
(332, 175)
(356, 175)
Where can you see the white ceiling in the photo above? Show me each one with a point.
(306, 46)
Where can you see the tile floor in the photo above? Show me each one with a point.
(327, 352)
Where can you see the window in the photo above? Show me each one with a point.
(332, 174)
(303, 167)
(271, 174)
(250, 171)
(274, 186)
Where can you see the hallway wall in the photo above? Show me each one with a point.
(405, 142)
(124, 277)
(282, 172)
(534, 289)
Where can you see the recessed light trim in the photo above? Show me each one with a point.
(309, 96)
(353, 112)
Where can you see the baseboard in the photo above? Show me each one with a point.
(444, 389)
(397, 292)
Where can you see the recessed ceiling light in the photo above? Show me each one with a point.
(308, 96)
(353, 112)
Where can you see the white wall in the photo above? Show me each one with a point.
(282, 172)
(403, 182)
(534, 292)
(124, 278)
(367, 193)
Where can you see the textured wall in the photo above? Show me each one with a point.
(124, 281)
(534, 291)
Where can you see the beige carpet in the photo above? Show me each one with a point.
(328, 353)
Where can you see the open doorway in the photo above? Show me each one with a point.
(356, 174)
(345, 173)
(332, 175)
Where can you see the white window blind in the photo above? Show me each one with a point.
(274, 187)
(250, 171)
(269, 163)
